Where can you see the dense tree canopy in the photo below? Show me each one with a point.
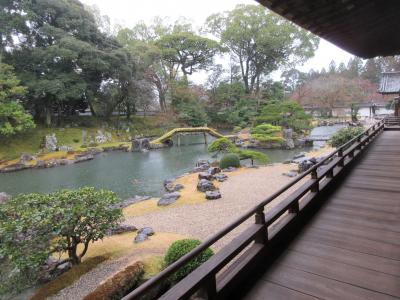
(63, 58)
(13, 118)
(36, 226)
(260, 42)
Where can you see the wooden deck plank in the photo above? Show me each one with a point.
(267, 290)
(357, 276)
(368, 261)
(319, 286)
(351, 247)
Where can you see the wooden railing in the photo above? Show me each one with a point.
(214, 277)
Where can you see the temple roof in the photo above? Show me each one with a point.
(366, 28)
(390, 83)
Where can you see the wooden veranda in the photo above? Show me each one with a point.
(336, 236)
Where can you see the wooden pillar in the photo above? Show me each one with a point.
(397, 107)
(205, 138)
(179, 139)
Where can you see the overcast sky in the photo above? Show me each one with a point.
(129, 12)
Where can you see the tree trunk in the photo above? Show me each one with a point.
(48, 116)
(128, 111)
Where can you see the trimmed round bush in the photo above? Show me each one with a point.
(180, 248)
(344, 135)
(229, 160)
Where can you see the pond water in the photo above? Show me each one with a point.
(127, 174)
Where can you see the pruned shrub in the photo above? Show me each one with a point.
(222, 145)
(75, 140)
(253, 156)
(93, 144)
(120, 284)
(229, 160)
(180, 248)
(344, 135)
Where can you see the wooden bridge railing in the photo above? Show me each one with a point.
(215, 277)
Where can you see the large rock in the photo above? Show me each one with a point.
(305, 165)
(168, 199)
(141, 238)
(213, 195)
(122, 228)
(287, 133)
(178, 187)
(4, 197)
(50, 142)
(205, 175)
(214, 170)
(169, 187)
(65, 148)
(202, 165)
(25, 157)
(101, 138)
(146, 231)
(140, 144)
(205, 185)
(40, 164)
(221, 177)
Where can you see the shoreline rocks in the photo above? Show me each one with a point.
(168, 199)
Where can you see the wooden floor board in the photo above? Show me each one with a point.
(351, 247)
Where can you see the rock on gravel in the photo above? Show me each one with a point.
(213, 195)
(221, 177)
(168, 199)
(141, 237)
(205, 175)
(146, 231)
(205, 185)
(122, 228)
(214, 170)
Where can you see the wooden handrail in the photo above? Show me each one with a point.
(205, 275)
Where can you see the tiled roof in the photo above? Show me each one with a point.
(390, 83)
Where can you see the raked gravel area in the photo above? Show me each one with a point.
(240, 192)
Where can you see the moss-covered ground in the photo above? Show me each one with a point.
(30, 142)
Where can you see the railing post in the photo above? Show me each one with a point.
(340, 155)
(209, 289)
(295, 208)
(315, 187)
(261, 238)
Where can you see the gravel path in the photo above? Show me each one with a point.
(240, 192)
